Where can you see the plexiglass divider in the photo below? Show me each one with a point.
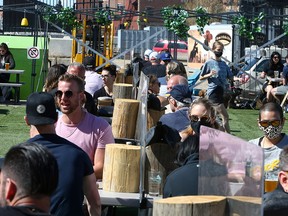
(231, 167)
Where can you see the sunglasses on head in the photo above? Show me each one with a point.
(67, 94)
(195, 118)
(274, 123)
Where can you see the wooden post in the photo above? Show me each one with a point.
(244, 205)
(121, 168)
(190, 205)
(153, 117)
(124, 118)
(120, 78)
(122, 90)
(129, 79)
(160, 157)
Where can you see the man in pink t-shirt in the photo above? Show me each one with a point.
(89, 132)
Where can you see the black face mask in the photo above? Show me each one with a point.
(196, 126)
(218, 54)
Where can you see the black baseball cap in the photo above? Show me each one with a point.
(41, 109)
(89, 62)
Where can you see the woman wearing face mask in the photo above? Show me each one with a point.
(184, 180)
(201, 112)
(217, 72)
(271, 122)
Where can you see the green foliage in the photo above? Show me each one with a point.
(248, 27)
(202, 19)
(175, 20)
(285, 26)
(103, 17)
(65, 17)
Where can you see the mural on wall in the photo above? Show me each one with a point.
(198, 54)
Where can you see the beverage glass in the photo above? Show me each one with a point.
(154, 182)
(276, 74)
(7, 65)
(215, 75)
(270, 185)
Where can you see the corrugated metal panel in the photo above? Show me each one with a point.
(130, 38)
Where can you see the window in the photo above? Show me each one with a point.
(159, 45)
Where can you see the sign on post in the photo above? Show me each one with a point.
(33, 53)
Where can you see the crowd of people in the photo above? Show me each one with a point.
(64, 157)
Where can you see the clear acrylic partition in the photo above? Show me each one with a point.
(231, 167)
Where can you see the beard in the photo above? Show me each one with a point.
(67, 108)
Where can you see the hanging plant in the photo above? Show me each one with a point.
(248, 27)
(202, 18)
(175, 20)
(103, 17)
(65, 17)
(285, 26)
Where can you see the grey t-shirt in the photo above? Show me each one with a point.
(271, 156)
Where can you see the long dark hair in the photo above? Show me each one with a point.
(5, 47)
(272, 65)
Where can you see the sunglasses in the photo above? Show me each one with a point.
(274, 123)
(276, 57)
(67, 94)
(195, 118)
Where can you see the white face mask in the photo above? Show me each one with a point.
(272, 132)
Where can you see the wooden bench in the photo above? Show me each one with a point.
(17, 84)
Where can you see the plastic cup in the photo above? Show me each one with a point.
(154, 182)
(7, 65)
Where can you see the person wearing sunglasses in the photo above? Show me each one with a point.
(275, 202)
(201, 112)
(272, 73)
(108, 76)
(271, 122)
(79, 70)
(280, 91)
(89, 132)
(5, 57)
(179, 99)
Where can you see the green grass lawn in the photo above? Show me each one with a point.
(13, 129)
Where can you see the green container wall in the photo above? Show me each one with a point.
(18, 46)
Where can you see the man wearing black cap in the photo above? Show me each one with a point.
(76, 175)
(179, 99)
(29, 176)
(93, 80)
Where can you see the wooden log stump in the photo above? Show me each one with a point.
(190, 206)
(121, 168)
(124, 118)
(159, 157)
(122, 90)
(244, 205)
(129, 79)
(153, 117)
(120, 78)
